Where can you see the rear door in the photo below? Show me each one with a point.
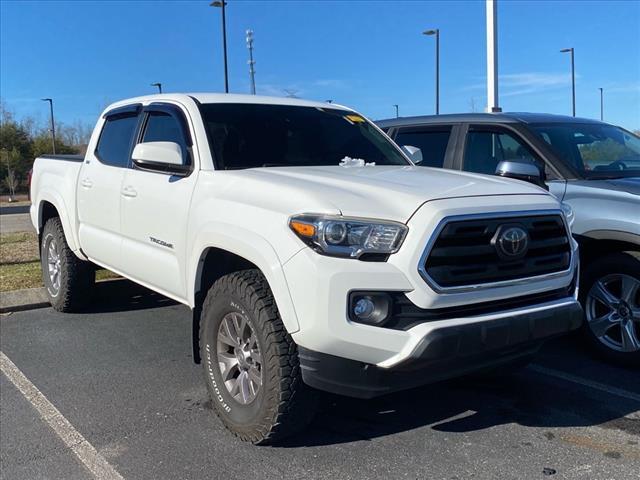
(156, 206)
(99, 184)
(436, 142)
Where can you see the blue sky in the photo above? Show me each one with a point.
(365, 54)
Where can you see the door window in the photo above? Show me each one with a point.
(162, 127)
(485, 149)
(432, 142)
(115, 140)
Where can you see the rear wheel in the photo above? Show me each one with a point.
(610, 295)
(251, 363)
(68, 280)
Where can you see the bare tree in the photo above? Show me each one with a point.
(11, 182)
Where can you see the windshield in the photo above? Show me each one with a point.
(595, 150)
(250, 135)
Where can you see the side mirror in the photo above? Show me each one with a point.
(414, 153)
(162, 157)
(527, 172)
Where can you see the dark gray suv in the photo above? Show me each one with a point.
(592, 167)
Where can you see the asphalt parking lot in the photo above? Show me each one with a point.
(121, 378)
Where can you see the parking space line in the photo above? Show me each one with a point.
(86, 453)
(585, 382)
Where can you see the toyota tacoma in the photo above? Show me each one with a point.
(311, 251)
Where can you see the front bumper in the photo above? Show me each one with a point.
(446, 351)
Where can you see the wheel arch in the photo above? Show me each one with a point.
(602, 242)
(51, 205)
(221, 253)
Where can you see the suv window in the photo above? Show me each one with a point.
(486, 148)
(432, 142)
(114, 144)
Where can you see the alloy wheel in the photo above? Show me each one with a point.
(239, 358)
(613, 312)
(53, 264)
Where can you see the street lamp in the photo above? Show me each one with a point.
(573, 79)
(221, 4)
(53, 126)
(436, 32)
(601, 104)
(159, 85)
(397, 115)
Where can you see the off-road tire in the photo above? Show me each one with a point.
(77, 277)
(284, 405)
(626, 263)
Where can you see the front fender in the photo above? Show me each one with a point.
(250, 246)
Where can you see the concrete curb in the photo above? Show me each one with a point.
(32, 298)
(27, 299)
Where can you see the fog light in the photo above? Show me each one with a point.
(369, 307)
(364, 308)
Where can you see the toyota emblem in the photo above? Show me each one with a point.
(512, 242)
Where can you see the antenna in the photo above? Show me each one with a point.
(251, 61)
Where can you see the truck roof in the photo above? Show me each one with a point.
(487, 118)
(227, 98)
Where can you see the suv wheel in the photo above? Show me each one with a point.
(251, 363)
(610, 295)
(68, 280)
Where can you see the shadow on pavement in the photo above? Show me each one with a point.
(122, 295)
(465, 405)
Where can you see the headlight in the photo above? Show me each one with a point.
(568, 213)
(348, 237)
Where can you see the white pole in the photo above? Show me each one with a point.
(492, 56)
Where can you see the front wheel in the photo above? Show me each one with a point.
(610, 295)
(251, 363)
(68, 280)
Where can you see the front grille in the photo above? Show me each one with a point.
(465, 252)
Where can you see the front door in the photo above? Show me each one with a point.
(155, 208)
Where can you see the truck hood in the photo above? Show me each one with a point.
(385, 192)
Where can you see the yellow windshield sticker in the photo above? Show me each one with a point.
(355, 118)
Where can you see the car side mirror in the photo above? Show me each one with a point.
(414, 153)
(525, 171)
(162, 157)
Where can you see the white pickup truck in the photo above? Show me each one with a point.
(312, 252)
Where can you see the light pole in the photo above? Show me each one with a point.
(251, 62)
(436, 32)
(397, 115)
(53, 125)
(491, 8)
(573, 79)
(601, 104)
(222, 4)
(159, 85)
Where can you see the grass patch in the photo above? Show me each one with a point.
(20, 275)
(19, 247)
(20, 262)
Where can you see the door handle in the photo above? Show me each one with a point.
(129, 192)
(86, 183)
